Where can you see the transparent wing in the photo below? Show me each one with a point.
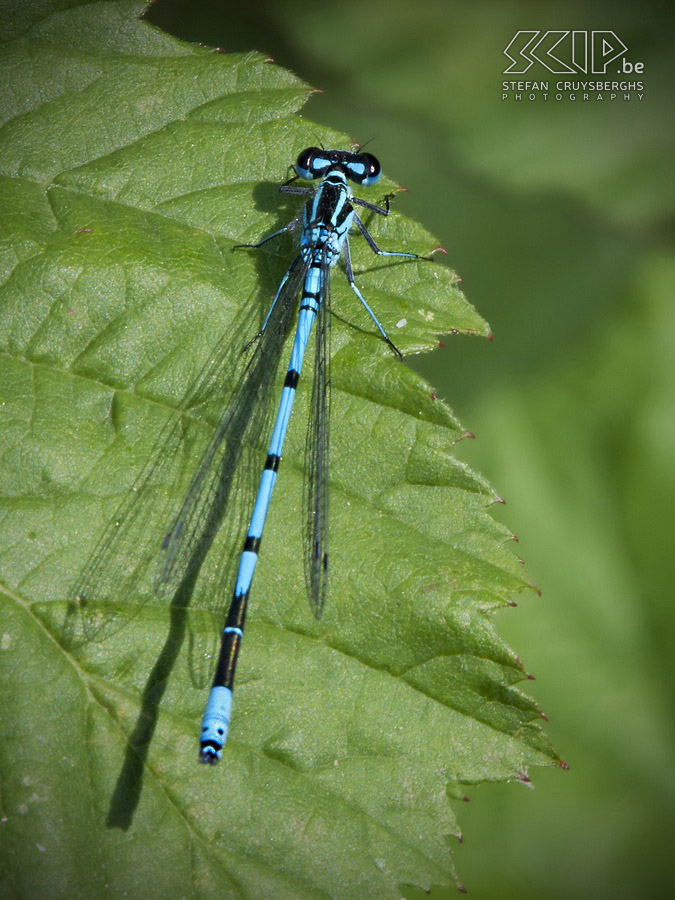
(201, 514)
(137, 559)
(317, 458)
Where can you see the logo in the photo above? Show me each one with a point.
(568, 53)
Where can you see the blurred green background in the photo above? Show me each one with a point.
(559, 217)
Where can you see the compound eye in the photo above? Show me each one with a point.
(373, 168)
(305, 161)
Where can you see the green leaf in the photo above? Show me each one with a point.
(132, 163)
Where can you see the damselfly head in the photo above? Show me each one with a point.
(362, 168)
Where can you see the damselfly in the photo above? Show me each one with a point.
(328, 216)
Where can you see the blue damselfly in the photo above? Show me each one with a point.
(329, 215)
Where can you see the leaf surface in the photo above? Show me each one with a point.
(132, 163)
